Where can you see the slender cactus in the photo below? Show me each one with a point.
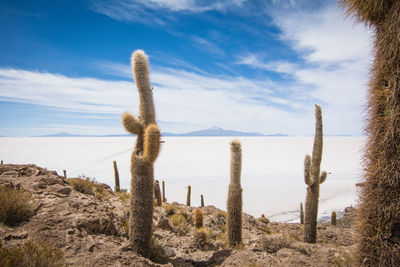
(234, 218)
(116, 177)
(301, 213)
(201, 201)
(157, 193)
(188, 195)
(65, 174)
(333, 218)
(163, 192)
(145, 153)
(313, 179)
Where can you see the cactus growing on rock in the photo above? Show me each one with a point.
(188, 195)
(157, 193)
(201, 201)
(163, 192)
(333, 218)
(313, 179)
(145, 153)
(301, 213)
(234, 218)
(116, 177)
(198, 218)
(379, 210)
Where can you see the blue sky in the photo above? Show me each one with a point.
(247, 65)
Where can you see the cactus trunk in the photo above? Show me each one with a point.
(65, 174)
(201, 201)
(145, 153)
(163, 192)
(234, 218)
(116, 177)
(313, 179)
(157, 193)
(333, 218)
(188, 195)
(379, 210)
(301, 214)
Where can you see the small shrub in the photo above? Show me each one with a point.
(264, 219)
(123, 195)
(198, 218)
(343, 259)
(15, 206)
(170, 209)
(157, 252)
(178, 221)
(201, 237)
(39, 254)
(265, 230)
(275, 242)
(85, 186)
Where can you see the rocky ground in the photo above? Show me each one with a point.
(91, 229)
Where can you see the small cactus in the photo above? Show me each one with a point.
(145, 153)
(188, 195)
(333, 218)
(201, 201)
(198, 218)
(313, 179)
(301, 213)
(65, 174)
(163, 192)
(234, 219)
(157, 193)
(116, 177)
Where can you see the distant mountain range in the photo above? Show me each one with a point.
(214, 131)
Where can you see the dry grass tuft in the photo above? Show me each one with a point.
(201, 237)
(85, 186)
(170, 209)
(343, 259)
(39, 254)
(179, 222)
(157, 252)
(275, 242)
(15, 206)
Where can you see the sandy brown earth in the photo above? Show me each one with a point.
(91, 230)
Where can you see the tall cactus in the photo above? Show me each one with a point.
(313, 179)
(145, 153)
(201, 201)
(301, 213)
(116, 177)
(379, 210)
(188, 195)
(163, 192)
(234, 219)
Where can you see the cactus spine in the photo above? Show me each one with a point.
(313, 179)
(234, 218)
(378, 215)
(116, 177)
(163, 192)
(201, 201)
(145, 153)
(157, 193)
(198, 218)
(188, 195)
(301, 213)
(333, 218)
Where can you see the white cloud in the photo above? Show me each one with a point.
(184, 100)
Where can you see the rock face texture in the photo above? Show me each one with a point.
(91, 230)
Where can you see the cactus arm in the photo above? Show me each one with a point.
(323, 176)
(307, 171)
(151, 144)
(131, 124)
(140, 69)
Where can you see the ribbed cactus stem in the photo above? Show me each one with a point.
(163, 192)
(201, 201)
(234, 218)
(198, 218)
(157, 193)
(189, 189)
(333, 218)
(301, 214)
(116, 177)
(145, 153)
(313, 179)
